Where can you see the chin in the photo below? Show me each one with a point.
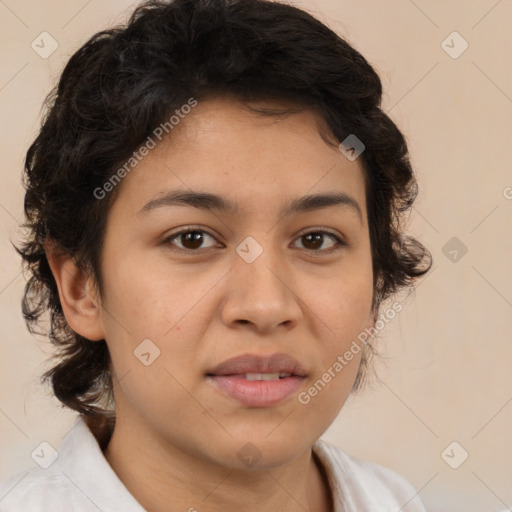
(258, 450)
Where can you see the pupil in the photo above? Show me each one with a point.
(194, 237)
(317, 237)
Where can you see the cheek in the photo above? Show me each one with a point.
(342, 307)
(343, 310)
(168, 310)
(142, 300)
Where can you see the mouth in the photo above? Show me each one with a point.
(257, 381)
(266, 376)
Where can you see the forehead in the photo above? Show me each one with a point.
(256, 161)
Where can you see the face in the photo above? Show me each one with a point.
(257, 280)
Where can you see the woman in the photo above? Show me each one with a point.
(214, 204)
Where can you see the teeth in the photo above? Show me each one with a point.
(265, 376)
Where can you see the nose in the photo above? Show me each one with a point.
(261, 294)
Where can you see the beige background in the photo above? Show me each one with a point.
(448, 355)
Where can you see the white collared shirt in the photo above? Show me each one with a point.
(81, 480)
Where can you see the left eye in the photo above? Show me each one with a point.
(316, 238)
(192, 239)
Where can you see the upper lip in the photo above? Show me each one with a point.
(249, 363)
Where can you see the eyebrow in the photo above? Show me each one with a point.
(209, 201)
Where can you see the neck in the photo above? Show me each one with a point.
(163, 477)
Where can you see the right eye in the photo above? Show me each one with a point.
(191, 239)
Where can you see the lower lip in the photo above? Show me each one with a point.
(257, 393)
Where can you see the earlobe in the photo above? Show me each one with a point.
(78, 298)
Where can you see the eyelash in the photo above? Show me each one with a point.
(340, 243)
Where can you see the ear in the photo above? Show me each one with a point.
(77, 294)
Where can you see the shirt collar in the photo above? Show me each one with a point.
(84, 464)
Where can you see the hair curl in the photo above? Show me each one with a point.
(124, 82)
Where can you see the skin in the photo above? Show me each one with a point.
(202, 308)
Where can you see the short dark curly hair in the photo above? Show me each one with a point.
(125, 81)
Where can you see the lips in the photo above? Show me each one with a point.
(252, 364)
(257, 381)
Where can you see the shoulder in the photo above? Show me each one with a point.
(48, 485)
(78, 478)
(363, 485)
(38, 490)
